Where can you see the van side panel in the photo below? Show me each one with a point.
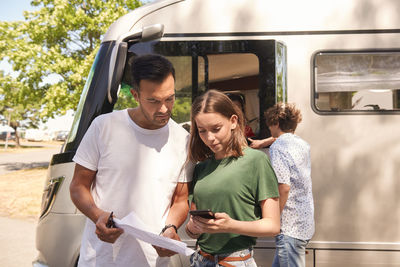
(355, 158)
(267, 16)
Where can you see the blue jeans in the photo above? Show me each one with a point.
(290, 252)
(197, 260)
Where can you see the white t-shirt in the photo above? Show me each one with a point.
(137, 170)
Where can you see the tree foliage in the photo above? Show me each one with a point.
(51, 53)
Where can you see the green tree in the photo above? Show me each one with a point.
(51, 52)
(181, 111)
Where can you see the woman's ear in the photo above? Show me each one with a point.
(234, 121)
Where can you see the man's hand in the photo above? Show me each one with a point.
(105, 234)
(261, 143)
(170, 233)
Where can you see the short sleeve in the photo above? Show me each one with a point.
(88, 153)
(193, 180)
(187, 172)
(280, 165)
(267, 184)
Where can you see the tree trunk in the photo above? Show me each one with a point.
(17, 143)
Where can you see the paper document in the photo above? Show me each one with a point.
(133, 226)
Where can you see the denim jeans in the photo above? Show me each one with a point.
(197, 260)
(290, 252)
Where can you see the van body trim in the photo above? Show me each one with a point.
(61, 158)
(367, 246)
(335, 249)
(337, 245)
(333, 32)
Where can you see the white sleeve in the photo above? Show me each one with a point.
(186, 174)
(88, 153)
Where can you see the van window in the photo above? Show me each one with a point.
(357, 82)
(230, 73)
(183, 88)
(229, 66)
(95, 76)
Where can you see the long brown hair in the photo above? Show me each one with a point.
(214, 101)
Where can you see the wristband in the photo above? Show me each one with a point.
(169, 226)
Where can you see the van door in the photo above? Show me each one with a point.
(253, 69)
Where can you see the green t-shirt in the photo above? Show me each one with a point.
(233, 186)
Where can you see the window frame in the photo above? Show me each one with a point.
(347, 112)
(265, 50)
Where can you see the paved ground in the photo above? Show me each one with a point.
(27, 158)
(17, 242)
(17, 237)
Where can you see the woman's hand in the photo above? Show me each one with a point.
(191, 233)
(221, 224)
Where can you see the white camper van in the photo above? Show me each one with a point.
(339, 61)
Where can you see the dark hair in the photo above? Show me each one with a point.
(214, 101)
(237, 97)
(286, 114)
(150, 67)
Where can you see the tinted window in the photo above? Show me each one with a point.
(357, 82)
(254, 69)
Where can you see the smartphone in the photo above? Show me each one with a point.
(207, 214)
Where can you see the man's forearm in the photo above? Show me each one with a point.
(283, 195)
(84, 201)
(282, 201)
(179, 206)
(178, 213)
(80, 192)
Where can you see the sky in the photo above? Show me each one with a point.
(11, 11)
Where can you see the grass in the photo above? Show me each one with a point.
(12, 146)
(21, 193)
(21, 149)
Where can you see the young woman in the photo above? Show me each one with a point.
(290, 158)
(235, 182)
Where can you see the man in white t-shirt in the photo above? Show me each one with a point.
(133, 160)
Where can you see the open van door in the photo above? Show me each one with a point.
(255, 69)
